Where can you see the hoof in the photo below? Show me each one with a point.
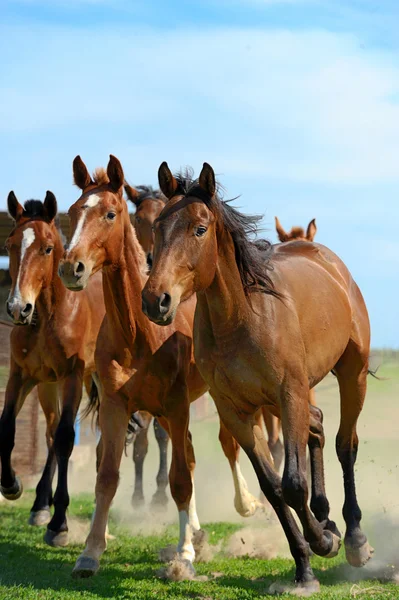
(159, 501)
(301, 589)
(14, 492)
(336, 545)
(85, 567)
(56, 539)
(248, 505)
(137, 501)
(358, 557)
(38, 518)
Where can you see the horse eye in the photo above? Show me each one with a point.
(111, 216)
(138, 220)
(200, 231)
(49, 250)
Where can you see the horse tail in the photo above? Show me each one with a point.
(93, 405)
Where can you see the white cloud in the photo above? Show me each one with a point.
(308, 106)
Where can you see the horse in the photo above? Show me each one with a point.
(140, 366)
(149, 203)
(52, 347)
(261, 339)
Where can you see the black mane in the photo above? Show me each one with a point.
(147, 191)
(33, 209)
(252, 256)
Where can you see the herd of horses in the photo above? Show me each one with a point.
(150, 317)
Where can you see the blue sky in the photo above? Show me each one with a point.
(295, 103)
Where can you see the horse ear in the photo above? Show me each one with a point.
(311, 230)
(282, 235)
(132, 194)
(15, 209)
(81, 176)
(207, 180)
(167, 182)
(50, 206)
(115, 173)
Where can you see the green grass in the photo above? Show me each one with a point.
(30, 569)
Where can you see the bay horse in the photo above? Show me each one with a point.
(261, 339)
(140, 366)
(52, 347)
(149, 203)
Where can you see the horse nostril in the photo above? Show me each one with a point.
(149, 260)
(27, 310)
(79, 270)
(8, 309)
(164, 303)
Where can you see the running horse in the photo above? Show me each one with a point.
(261, 339)
(140, 366)
(149, 204)
(52, 347)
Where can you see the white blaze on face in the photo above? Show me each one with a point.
(91, 201)
(28, 237)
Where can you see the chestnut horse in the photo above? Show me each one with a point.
(52, 347)
(261, 339)
(140, 366)
(149, 204)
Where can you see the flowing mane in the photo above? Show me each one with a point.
(252, 256)
(147, 192)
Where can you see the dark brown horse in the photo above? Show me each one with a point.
(140, 365)
(260, 338)
(149, 204)
(52, 347)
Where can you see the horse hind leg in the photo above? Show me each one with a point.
(352, 379)
(160, 498)
(40, 511)
(244, 502)
(140, 450)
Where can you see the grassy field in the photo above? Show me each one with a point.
(29, 569)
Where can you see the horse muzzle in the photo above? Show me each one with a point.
(21, 312)
(74, 275)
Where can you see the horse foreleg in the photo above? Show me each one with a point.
(140, 449)
(160, 499)
(251, 438)
(57, 529)
(40, 511)
(181, 478)
(244, 502)
(113, 421)
(273, 428)
(18, 388)
(295, 423)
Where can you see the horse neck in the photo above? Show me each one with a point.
(55, 294)
(122, 285)
(224, 302)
